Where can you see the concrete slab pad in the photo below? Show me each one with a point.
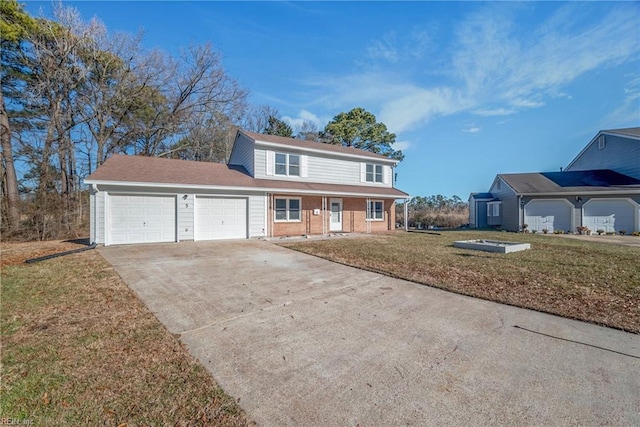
(303, 341)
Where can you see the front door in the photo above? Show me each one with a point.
(335, 223)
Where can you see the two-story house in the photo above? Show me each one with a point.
(599, 189)
(271, 186)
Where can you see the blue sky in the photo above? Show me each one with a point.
(471, 89)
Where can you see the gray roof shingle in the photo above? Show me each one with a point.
(154, 170)
(570, 182)
(635, 132)
(313, 145)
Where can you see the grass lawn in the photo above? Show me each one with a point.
(79, 348)
(594, 282)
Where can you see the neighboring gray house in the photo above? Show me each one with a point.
(600, 189)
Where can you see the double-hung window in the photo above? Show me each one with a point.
(375, 210)
(374, 173)
(287, 210)
(287, 164)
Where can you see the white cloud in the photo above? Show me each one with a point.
(488, 112)
(403, 112)
(500, 64)
(526, 103)
(401, 145)
(628, 112)
(384, 49)
(471, 129)
(497, 59)
(304, 116)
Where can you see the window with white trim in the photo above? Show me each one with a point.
(375, 210)
(287, 210)
(374, 172)
(493, 208)
(287, 164)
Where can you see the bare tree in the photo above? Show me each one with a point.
(256, 118)
(309, 131)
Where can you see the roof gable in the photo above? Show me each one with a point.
(630, 133)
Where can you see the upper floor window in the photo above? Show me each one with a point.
(374, 173)
(287, 164)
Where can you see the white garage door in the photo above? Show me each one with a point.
(142, 219)
(609, 215)
(218, 218)
(548, 214)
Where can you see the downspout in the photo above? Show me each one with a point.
(324, 222)
(521, 216)
(272, 214)
(94, 215)
(368, 214)
(265, 231)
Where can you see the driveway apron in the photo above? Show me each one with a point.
(302, 341)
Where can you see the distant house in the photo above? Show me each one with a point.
(599, 189)
(272, 186)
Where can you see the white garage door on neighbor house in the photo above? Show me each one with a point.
(609, 215)
(548, 215)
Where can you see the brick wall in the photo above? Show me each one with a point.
(353, 217)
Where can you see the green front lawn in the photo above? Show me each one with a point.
(594, 282)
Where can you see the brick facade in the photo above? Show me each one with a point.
(353, 216)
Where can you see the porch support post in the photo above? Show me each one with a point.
(324, 209)
(406, 214)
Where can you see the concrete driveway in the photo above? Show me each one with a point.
(305, 342)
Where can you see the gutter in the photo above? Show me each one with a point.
(258, 190)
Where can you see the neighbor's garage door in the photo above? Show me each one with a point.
(142, 219)
(609, 215)
(548, 214)
(218, 218)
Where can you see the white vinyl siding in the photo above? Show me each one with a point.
(257, 214)
(324, 170)
(100, 216)
(185, 216)
(304, 166)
